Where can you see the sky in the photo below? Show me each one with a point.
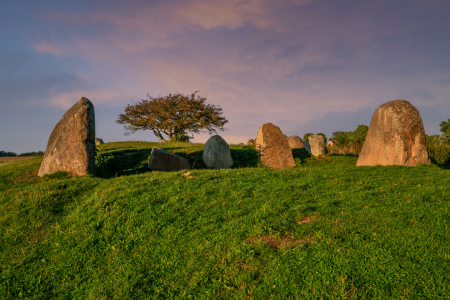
(305, 65)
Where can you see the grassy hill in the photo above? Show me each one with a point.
(323, 229)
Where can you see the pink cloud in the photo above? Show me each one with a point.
(287, 61)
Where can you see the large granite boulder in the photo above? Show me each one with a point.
(315, 145)
(395, 137)
(162, 160)
(71, 146)
(275, 150)
(98, 141)
(295, 141)
(217, 153)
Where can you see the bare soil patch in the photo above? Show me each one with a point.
(279, 242)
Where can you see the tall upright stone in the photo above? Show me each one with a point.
(295, 141)
(71, 145)
(217, 153)
(275, 150)
(396, 137)
(315, 145)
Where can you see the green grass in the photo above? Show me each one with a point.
(323, 229)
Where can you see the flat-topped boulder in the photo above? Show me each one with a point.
(274, 147)
(71, 145)
(396, 137)
(216, 153)
(162, 160)
(315, 145)
(295, 141)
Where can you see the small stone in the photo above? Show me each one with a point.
(315, 145)
(217, 153)
(71, 145)
(98, 141)
(250, 142)
(162, 160)
(295, 142)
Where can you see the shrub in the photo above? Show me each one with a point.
(102, 160)
(440, 154)
(180, 137)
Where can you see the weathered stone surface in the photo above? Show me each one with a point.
(331, 143)
(98, 141)
(217, 153)
(275, 150)
(250, 142)
(395, 137)
(162, 160)
(71, 145)
(295, 141)
(315, 145)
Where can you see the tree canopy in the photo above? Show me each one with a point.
(350, 137)
(172, 115)
(445, 127)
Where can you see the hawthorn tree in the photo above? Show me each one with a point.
(172, 115)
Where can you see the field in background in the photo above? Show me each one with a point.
(323, 229)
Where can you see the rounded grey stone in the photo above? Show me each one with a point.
(217, 153)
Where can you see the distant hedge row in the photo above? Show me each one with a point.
(440, 154)
(8, 154)
(4, 154)
(31, 153)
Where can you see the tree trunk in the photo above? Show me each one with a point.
(159, 135)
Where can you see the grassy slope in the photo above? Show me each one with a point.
(322, 229)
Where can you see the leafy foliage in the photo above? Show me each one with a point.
(5, 154)
(172, 115)
(353, 139)
(439, 154)
(438, 140)
(103, 161)
(305, 137)
(180, 137)
(445, 127)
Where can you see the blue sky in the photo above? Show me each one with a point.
(305, 66)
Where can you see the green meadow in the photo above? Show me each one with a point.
(324, 229)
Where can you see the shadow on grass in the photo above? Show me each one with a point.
(347, 154)
(124, 162)
(132, 162)
(445, 166)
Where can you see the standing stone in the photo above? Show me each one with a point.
(315, 145)
(162, 160)
(275, 150)
(250, 142)
(395, 137)
(217, 153)
(331, 143)
(295, 141)
(71, 146)
(98, 141)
